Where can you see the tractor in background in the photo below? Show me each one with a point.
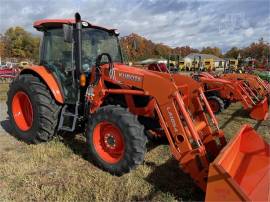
(223, 90)
(82, 83)
(209, 65)
(181, 65)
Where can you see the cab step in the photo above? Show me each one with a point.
(68, 119)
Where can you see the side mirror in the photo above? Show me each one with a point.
(68, 33)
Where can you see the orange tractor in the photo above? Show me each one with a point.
(257, 85)
(81, 82)
(250, 90)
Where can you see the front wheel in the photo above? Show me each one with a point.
(115, 140)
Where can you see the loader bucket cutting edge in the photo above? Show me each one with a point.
(260, 111)
(241, 172)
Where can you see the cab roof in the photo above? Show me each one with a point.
(54, 23)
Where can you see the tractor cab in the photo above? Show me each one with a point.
(66, 60)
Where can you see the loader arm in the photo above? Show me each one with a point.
(258, 87)
(190, 137)
(234, 91)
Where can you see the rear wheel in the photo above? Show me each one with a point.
(32, 111)
(115, 140)
(216, 104)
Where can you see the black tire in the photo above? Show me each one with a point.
(219, 103)
(133, 137)
(227, 103)
(45, 109)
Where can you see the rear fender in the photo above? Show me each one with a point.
(48, 78)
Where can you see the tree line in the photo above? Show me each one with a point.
(138, 48)
(18, 43)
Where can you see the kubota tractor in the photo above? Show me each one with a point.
(258, 86)
(221, 92)
(81, 81)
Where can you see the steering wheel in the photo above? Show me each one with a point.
(96, 71)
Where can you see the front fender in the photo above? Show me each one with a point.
(48, 78)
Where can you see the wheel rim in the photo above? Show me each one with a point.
(22, 111)
(214, 105)
(108, 142)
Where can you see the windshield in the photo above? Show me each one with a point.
(95, 42)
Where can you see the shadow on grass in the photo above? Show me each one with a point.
(170, 179)
(238, 113)
(257, 125)
(5, 124)
(153, 143)
(76, 143)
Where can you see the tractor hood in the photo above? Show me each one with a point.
(164, 83)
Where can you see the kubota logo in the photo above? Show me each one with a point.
(170, 114)
(112, 74)
(130, 77)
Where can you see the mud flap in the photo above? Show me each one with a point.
(241, 172)
(260, 111)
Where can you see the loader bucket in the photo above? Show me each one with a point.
(241, 172)
(260, 111)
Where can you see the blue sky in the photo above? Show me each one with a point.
(196, 23)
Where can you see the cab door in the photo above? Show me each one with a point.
(57, 55)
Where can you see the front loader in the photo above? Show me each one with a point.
(221, 92)
(257, 85)
(81, 82)
(259, 88)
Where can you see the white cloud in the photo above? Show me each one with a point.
(176, 23)
(249, 32)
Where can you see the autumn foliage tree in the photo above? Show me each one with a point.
(20, 44)
(184, 51)
(212, 50)
(257, 50)
(136, 48)
(234, 52)
(2, 48)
